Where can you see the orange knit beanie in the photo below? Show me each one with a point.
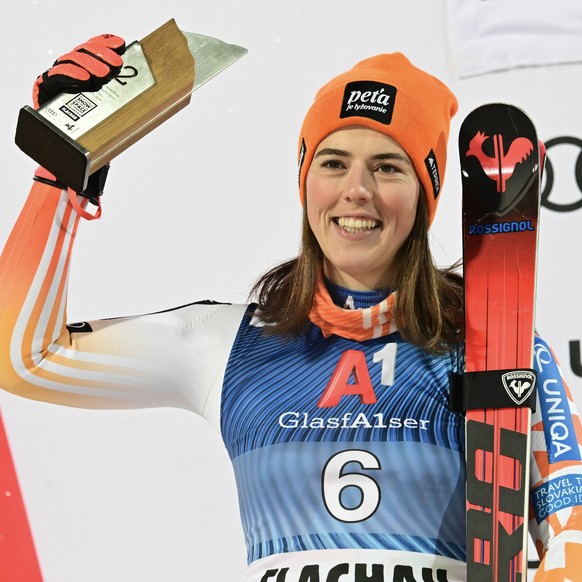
(389, 94)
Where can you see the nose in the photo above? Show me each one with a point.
(360, 185)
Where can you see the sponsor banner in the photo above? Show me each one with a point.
(493, 35)
(348, 565)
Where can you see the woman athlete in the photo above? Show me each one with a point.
(331, 392)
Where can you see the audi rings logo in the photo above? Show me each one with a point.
(550, 177)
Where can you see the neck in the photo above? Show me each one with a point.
(364, 282)
(354, 298)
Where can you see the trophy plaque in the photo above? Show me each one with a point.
(75, 134)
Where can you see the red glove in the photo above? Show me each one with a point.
(86, 68)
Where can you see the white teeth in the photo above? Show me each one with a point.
(354, 225)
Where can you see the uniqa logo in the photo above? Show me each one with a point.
(555, 407)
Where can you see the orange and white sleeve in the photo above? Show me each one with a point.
(556, 474)
(173, 358)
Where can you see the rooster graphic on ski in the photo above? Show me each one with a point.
(494, 156)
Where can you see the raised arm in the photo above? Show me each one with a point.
(174, 358)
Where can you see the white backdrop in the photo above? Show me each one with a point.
(199, 209)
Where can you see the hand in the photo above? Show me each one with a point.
(86, 68)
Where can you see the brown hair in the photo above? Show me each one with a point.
(429, 300)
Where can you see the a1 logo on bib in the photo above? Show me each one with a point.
(369, 99)
(519, 384)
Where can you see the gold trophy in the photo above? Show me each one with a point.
(73, 135)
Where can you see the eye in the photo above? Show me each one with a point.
(333, 164)
(387, 168)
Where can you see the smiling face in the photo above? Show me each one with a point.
(361, 196)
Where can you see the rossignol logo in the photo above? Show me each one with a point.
(369, 99)
(519, 384)
(433, 171)
(501, 165)
(500, 227)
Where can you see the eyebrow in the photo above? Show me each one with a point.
(346, 154)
